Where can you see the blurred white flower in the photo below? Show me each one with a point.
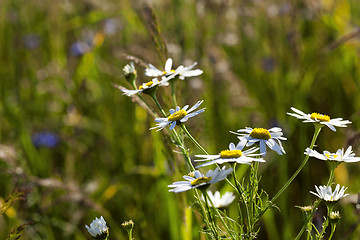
(98, 228)
(270, 137)
(339, 156)
(325, 193)
(200, 180)
(319, 118)
(178, 116)
(232, 155)
(181, 71)
(220, 201)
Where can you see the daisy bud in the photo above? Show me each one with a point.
(130, 72)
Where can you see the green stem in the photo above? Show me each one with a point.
(286, 185)
(193, 139)
(333, 227)
(130, 234)
(184, 150)
(173, 95)
(219, 214)
(153, 96)
(332, 174)
(242, 197)
(316, 204)
(253, 191)
(207, 214)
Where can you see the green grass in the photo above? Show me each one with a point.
(108, 163)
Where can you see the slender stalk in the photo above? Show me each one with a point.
(153, 96)
(333, 227)
(130, 234)
(309, 228)
(242, 197)
(193, 139)
(172, 85)
(184, 150)
(206, 212)
(253, 191)
(332, 174)
(219, 214)
(286, 185)
(317, 202)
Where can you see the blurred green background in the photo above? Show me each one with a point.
(77, 148)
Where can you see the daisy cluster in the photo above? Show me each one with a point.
(325, 192)
(253, 144)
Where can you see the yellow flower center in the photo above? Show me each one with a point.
(148, 84)
(230, 153)
(329, 155)
(176, 116)
(260, 133)
(320, 117)
(171, 71)
(201, 180)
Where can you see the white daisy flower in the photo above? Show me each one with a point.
(232, 155)
(146, 87)
(181, 71)
(319, 118)
(325, 193)
(98, 228)
(178, 116)
(198, 180)
(220, 201)
(184, 72)
(339, 156)
(154, 72)
(270, 137)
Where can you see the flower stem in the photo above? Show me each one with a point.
(333, 227)
(286, 185)
(184, 150)
(193, 139)
(130, 234)
(208, 215)
(316, 204)
(142, 99)
(172, 85)
(153, 96)
(332, 174)
(219, 214)
(242, 197)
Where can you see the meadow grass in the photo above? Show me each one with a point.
(60, 59)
